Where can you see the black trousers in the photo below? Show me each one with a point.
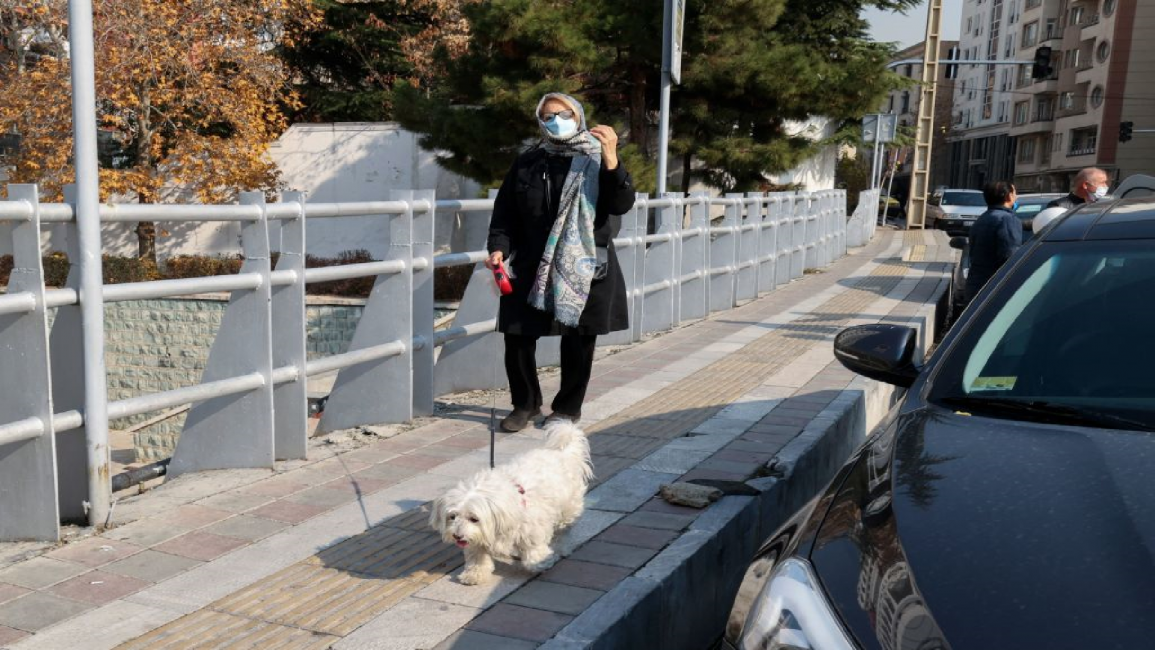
(577, 361)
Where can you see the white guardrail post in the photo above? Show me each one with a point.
(291, 398)
(748, 233)
(658, 289)
(379, 388)
(630, 251)
(423, 348)
(724, 259)
(66, 341)
(695, 261)
(28, 502)
(237, 431)
(638, 292)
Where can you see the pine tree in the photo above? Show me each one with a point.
(750, 67)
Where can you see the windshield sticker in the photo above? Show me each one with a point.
(994, 383)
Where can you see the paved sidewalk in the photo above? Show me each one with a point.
(337, 552)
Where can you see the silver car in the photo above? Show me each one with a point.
(955, 210)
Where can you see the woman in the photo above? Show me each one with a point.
(552, 226)
(994, 236)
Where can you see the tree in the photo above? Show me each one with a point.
(188, 100)
(345, 64)
(750, 69)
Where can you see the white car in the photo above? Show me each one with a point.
(955, 210)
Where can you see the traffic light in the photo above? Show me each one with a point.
(1042, 67)
(1125, 129)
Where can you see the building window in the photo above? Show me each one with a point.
(970, 24)
(1021, 110)
(1103, 51)
(1076, 15)
(1045, 153)
(1025, 76)
(1045, 109)
(1108, 7)
(1031, 4)
(1083, 141)
(1027, 150)
(906, 102)
(1030, 33)
(1066, 101)
(1097, 97)
(1052, 29)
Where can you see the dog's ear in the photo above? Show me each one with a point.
(437, 514)
(500, 519)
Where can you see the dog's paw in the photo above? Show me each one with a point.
(474, 576)
(539, 560)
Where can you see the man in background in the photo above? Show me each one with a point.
(1090, 185)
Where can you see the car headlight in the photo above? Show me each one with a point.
(792, 613)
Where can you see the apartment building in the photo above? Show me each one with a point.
(981, 147)
(1104, 69)
(905, 104)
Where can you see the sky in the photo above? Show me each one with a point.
(910, 29)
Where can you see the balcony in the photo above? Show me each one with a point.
(1089, 21)
(1085, 150)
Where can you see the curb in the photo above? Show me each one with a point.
(701, 571)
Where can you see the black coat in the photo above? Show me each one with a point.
(523, 215)
(994, 237)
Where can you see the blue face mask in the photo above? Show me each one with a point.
(1015, 206)
(560, 126)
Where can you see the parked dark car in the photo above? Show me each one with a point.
(1005, 502)
(1030, 205)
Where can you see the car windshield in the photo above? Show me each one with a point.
(1065, 339)
(1031, 207)
(967, 199)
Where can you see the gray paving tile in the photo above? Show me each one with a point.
(630, 557)
(586, 574)
(39, 610)
(246, 527)
(40, 572)
(661, 520)
(519, 622)
(471, 640)
(152, 566)
(554, 597)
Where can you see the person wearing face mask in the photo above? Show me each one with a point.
(1090, 185)
(994, 237)
(553, 223)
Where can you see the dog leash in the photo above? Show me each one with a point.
(493, 410)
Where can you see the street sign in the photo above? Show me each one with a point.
(677, 16)
(882, 127)
(870, 128)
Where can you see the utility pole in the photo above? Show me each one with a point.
(924, 137)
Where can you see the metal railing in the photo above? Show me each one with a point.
(249, 407)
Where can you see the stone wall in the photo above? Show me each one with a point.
(157, 345)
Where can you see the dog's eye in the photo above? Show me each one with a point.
(473, 520)
(452, 517)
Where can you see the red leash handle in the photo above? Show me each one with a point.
(502, 280)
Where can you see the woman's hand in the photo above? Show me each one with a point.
(494, 260)
(609, 139)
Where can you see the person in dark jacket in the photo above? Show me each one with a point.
(553, 223)
(994, 237)
(1090, 185)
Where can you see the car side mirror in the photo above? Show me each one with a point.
(882, 352)
(958, 242)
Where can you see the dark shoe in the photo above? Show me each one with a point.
(518, 419)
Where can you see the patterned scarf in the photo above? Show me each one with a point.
(562, 283)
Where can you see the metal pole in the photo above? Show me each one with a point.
(664, 120)
(88, 227)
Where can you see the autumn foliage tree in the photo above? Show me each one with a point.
(189, 97)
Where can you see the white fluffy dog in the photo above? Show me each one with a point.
(510, 513)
